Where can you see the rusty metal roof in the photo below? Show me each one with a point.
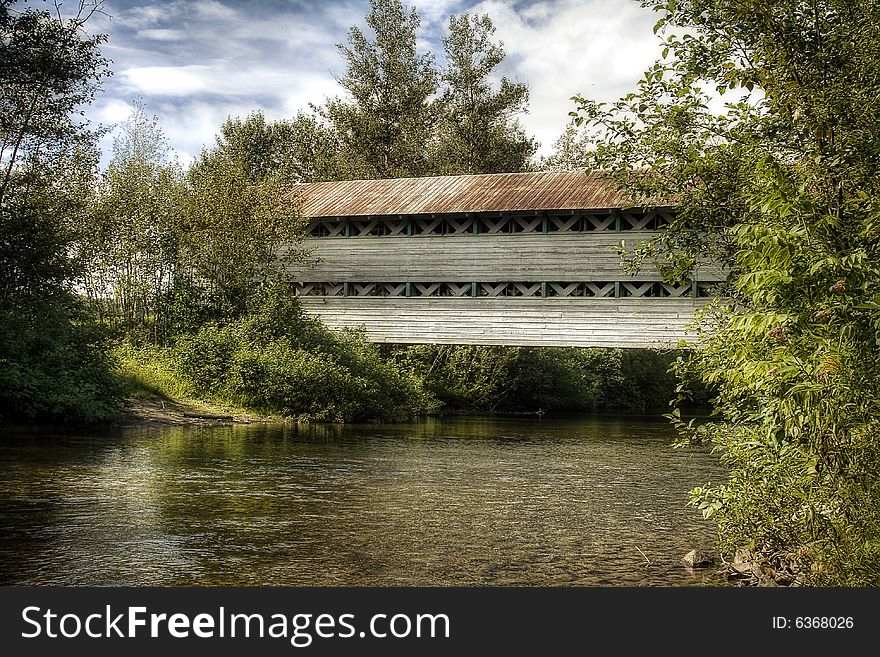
(494, 192)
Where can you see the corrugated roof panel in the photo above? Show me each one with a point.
(497, 192)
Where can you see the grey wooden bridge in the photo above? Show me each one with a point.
(496, 259)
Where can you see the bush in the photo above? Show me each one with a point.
(552, 378)
(54, 365)
(557, 379)
(472, 378)
(276, 359)
(782, 505)
(203, 359)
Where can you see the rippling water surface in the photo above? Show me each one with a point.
(465, 501)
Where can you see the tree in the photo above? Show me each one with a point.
(314, 150)
(478, 132)
(168, 251)
(386, 126)
(304, 149)
(782, 186)
(130, 247)
(241, 224)
(49, 68)
(53, 363)
(570, 151)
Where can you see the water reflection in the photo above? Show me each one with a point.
(466, 501)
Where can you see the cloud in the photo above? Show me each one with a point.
(565, 47)
(309, 88)
(161, 34)
(213, 10)
(195, 63)
(140, 16)
(193, 125)
(111, 111)
(435, 14)
(167, 80)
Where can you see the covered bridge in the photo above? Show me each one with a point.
(495, 259)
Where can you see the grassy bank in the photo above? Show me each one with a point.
(156, 395)
(278, 362)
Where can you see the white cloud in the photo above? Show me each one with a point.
(194, 126)
(167, 80)
(287, 87)
(213, 10)
(309, 88)
(565, 47)
(161, 34)
(111, 111)
(145, 15)
(437, 12)
(142, 17)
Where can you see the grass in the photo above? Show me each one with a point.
(147, 372)
(149, 381)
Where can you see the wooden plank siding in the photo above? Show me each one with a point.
(495, 259)
(533, 257)
(571, 322)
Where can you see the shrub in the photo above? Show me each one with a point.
(277, 359)
(54, 365)
(551, 378)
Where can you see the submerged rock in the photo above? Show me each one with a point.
(698, 559)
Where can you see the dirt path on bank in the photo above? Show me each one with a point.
(170, 412)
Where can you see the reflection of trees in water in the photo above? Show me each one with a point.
(246, 500)
(448, 501)
(49, 502)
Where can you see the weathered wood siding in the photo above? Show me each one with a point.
(504, 259)
(534, 257)
(568, 321)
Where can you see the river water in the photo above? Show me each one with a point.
(463, 501)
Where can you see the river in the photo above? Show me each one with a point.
(463, 501)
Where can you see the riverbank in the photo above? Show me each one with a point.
(159, 411)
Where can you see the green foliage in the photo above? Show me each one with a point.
(477, 131)
(475, 378)
(149, 371)
(549, 378)
(796, 367)
(54, 365)
(639, 380)
(278, 360)
(164, 252)
(303, 149)
(53, 362)
(556, 379)
(782, 186)
(387, 124)
(312, 150)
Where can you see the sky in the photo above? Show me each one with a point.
(195, 63)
